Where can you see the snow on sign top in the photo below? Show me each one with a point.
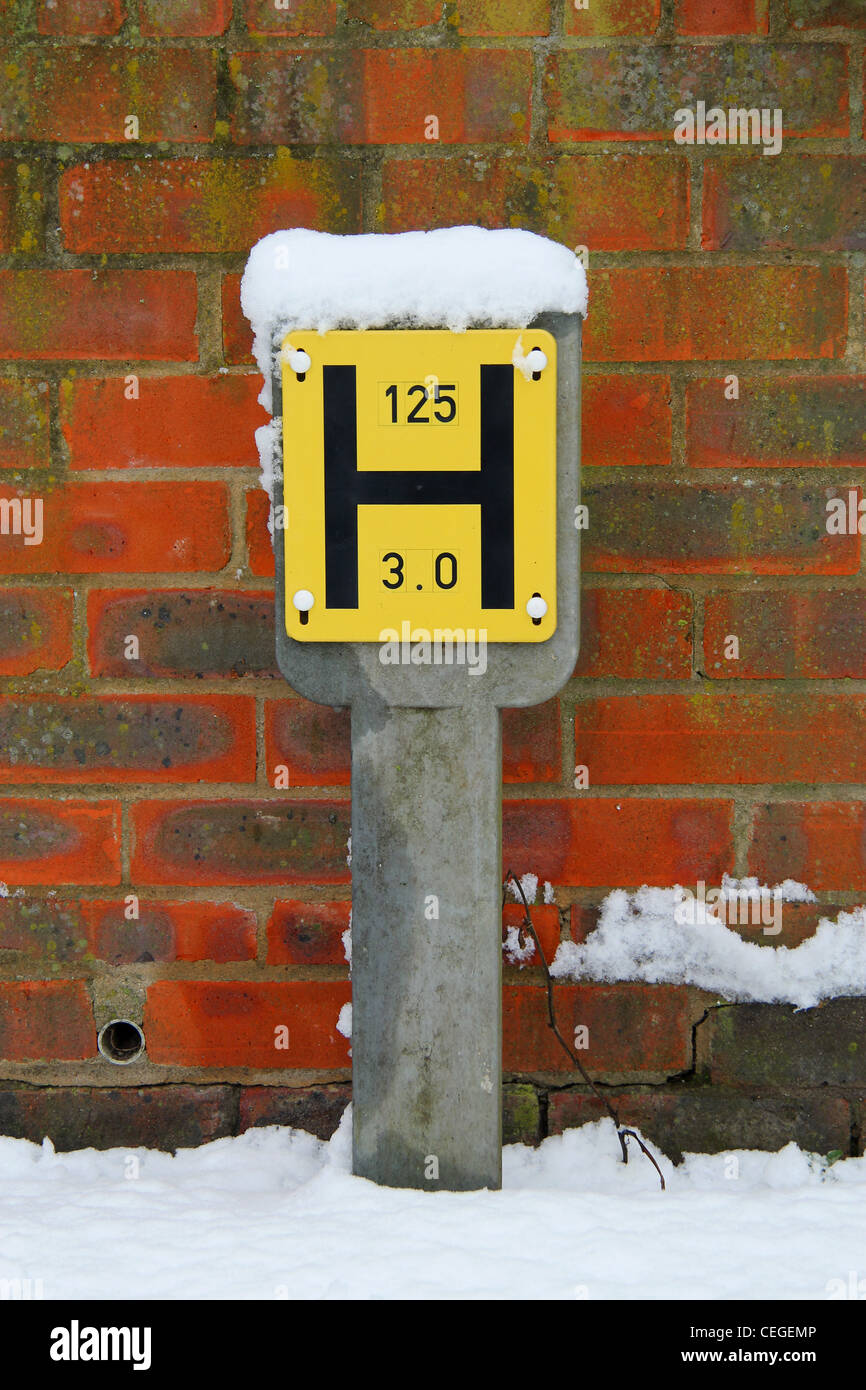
(453, 278)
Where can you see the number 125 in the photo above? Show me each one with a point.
(444, 407)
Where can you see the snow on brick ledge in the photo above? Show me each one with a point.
(454, 278)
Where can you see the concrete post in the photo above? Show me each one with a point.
(426, 946)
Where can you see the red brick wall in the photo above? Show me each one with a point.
(120, 261)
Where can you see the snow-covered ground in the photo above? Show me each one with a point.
(277, 1214)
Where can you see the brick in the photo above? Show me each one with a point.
(201, 1023)
(35, 630)
(632, 93)
(626, 421)
(785, 635)
(59, 841)
(237, 334)
(792, 202)
(54, 931)
(777, 422)
(112, 314)
(776, 1044)
(125, 528)
(722, 16)
(192, 205)
(492, 18)
(79, 94)
(721, 737)
(819, 14)
(134, 738)
(633, 1029)
(313, 742)
(598, 842)
(308, 933)
(316, 1109)
(820, 843)
(302, 19)
(396, 14)
(612, 18)
(521, 1115)
(532, 743)
(709, 1119)
(124, 1117)
(46, 1020)
(773, 527)
(193, 633)
(688, 313)
(22, 206)
(635, 634)
(75, 17)
(609, 203)
(381, 96)
(231, 842)
(175, 421)
(166, 931)
(24, 436)
(260, 548)
(545, 919)
(185, 18)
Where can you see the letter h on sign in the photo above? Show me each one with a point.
(491, 487)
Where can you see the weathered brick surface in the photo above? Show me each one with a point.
(632, 1029)
(784, 422)
(136, 738)
(230, 842)
(35, 630)
(52, 931)
(237, 1024)
(660, 528)
(45, 1020)
(608, 203)
(190, 205)
(317, 1109)
(819, 14)
(784, 635)
(308, 933)
(96, 528)
(86, 93)
(719, 17)
(110, 314)
(717, 737)
(182, 18)
(189, 633)
(161, 421)
(626, 420)
(122, 1117)
(710, 1119)
(79, 17)
(24, 429)
(260, 548)
(632, 92)
(774, 1044)
(596, 842)
(59, 841)
(797, 202)
(22, 204)
(381, 96)
(612, 18)
(707, 313)
(821, 843)
(303, 18)
(635, 634)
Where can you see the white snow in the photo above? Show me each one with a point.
(454, 278)
(344, 1021)
(276, 1214)
(638, 937)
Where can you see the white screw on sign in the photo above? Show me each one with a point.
(536, 607)
(299, 361)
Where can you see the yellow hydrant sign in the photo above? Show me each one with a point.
(419, 483)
